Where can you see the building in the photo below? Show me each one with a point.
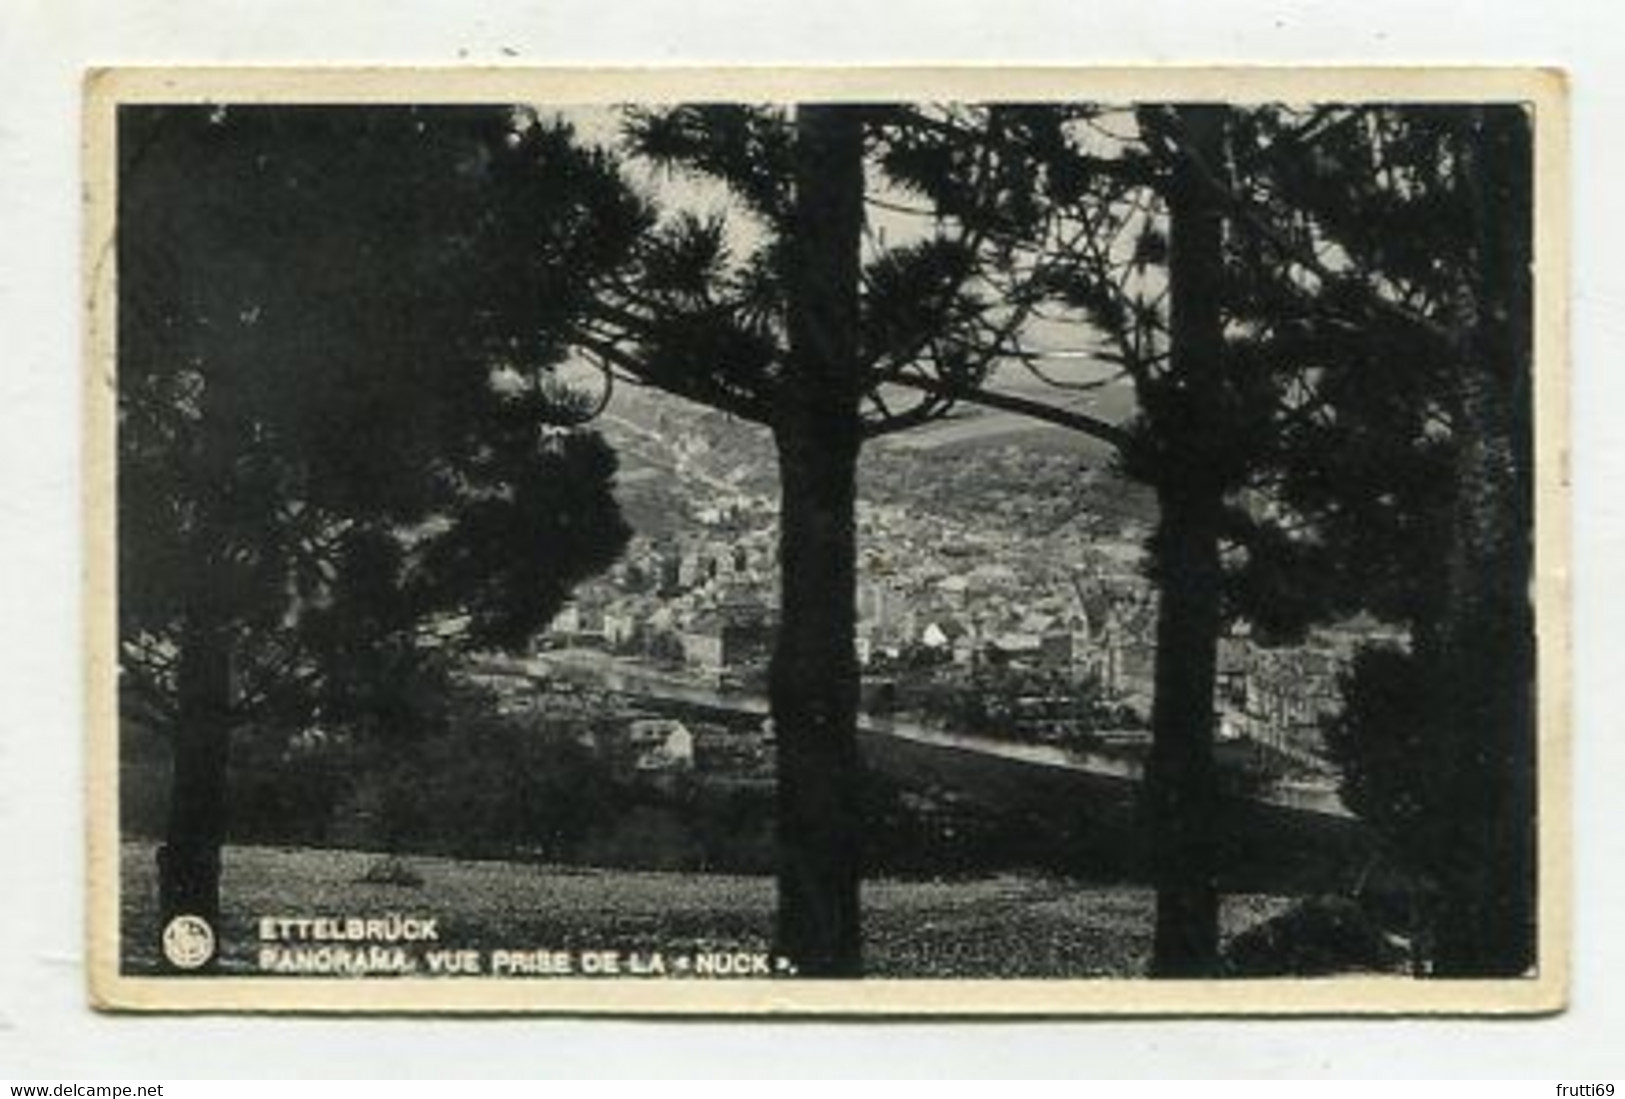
(714, 642)
(660, 744)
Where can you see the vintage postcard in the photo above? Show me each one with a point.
(960, 542)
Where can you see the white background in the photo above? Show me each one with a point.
(46, 1031)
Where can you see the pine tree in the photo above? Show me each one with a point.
(1378, 301)
(828, 337)
(1427, 401)
(1166, 233)
(316, 461)
(1135, 236)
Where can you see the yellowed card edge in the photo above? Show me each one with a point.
(1544, 89)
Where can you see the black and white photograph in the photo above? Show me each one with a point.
(907, 543)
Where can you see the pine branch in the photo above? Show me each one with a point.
(717, 396)
(1306, 257)
(1091, 426)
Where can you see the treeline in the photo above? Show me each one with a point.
(471, 781)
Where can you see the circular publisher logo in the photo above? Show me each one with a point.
(188, 942)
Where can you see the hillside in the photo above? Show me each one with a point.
(1010, 925)
(977, 467)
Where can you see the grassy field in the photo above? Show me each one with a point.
(1005, 926)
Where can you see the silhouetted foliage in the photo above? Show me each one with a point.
(337, 438)
(1318, 936)
(1423, 485)
(1388, 752)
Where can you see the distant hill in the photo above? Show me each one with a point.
(971, 427)
(677, 456)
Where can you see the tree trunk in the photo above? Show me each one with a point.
(189, 860)
(815, 701)
(1181, 784)
(1487, 652)
(814, 677)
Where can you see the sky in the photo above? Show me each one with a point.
(1068, 343)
